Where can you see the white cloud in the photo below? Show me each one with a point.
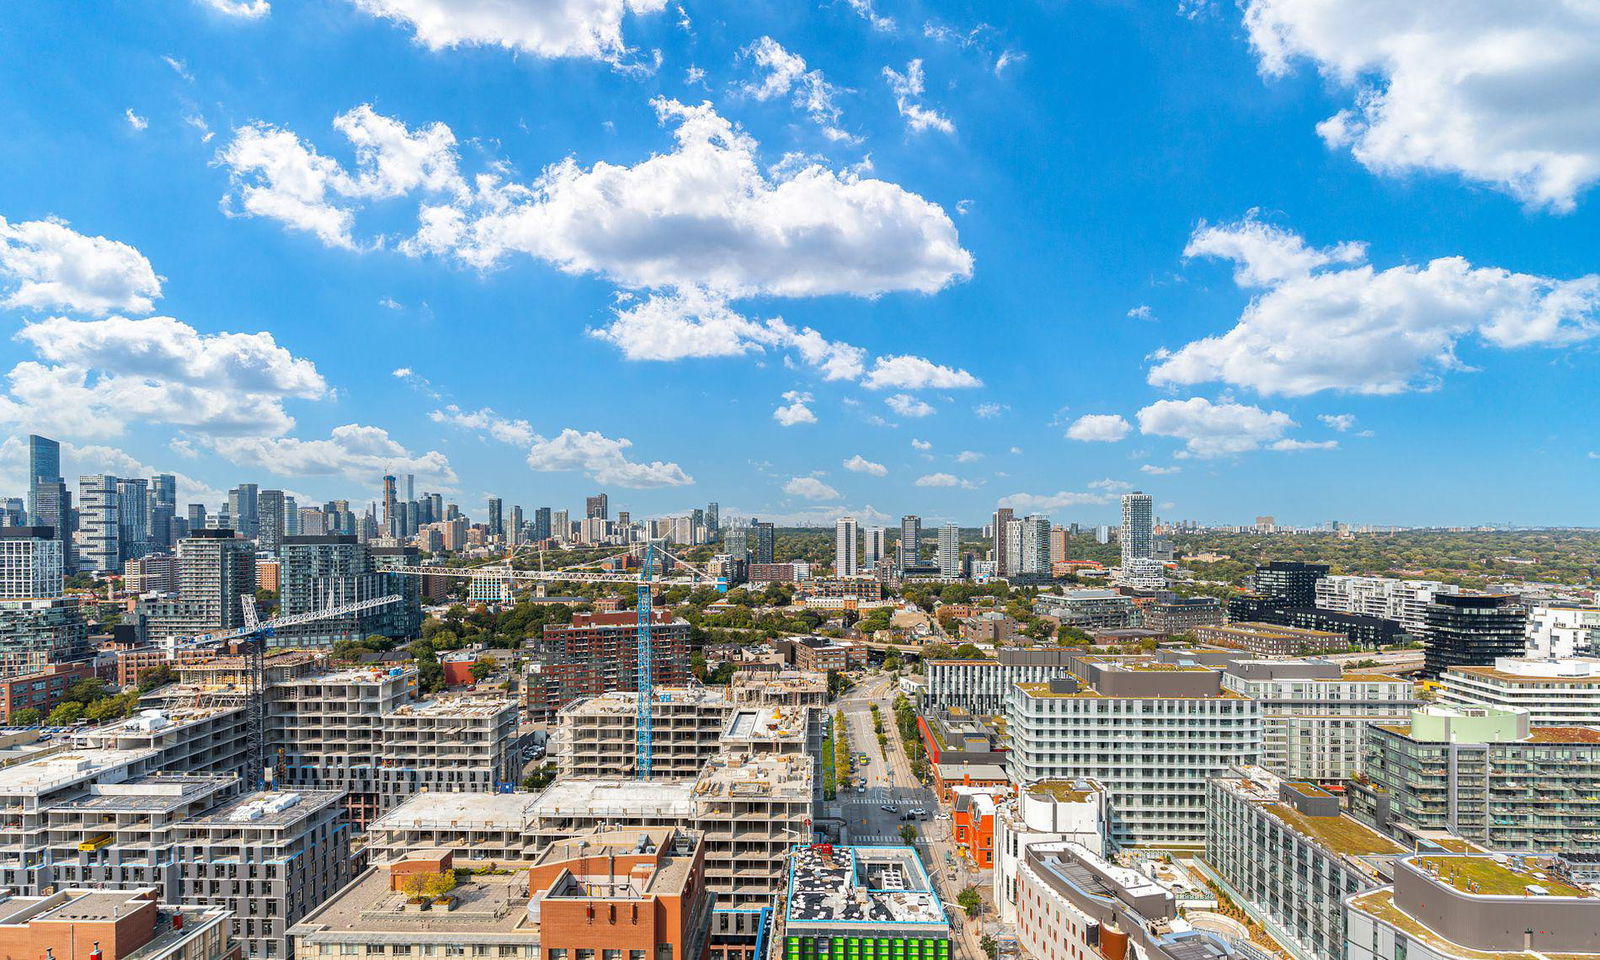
(866, 11)
(1499, 93)
(1213, 429)
(1341, 422)
(916, 373)
(179, 67)
(1324, 321)
(604, 460)
(785, 76)
(1142, 312)
(199, 123)
(590, 29)
(87, 459)
(907, 88)
(1016, 450)
(860, 464)
(1156, 471)
(243, 9)
(275, 175)
(968, 456)
(1292, 445)
(704, 215)
(97, 376)
(516, 432)
(356, 452)
(135, 121)
(988, 411)
(1110, 485)
(796, 411)
(944, 480)
(908, 406)
(1044, 503)
(1099, 428)
(45, 264)
(810, 488)
(921, 445)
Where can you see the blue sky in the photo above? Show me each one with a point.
(1319, 260)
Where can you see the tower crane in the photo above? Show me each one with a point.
(503, 577)
(254, 651)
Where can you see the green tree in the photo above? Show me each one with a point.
(970, 900)
(485, 667)
(66, 714)
(990, 948)
(908, 833)
(26, 717)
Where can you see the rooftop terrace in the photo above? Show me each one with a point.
(1495, 875)
(872, 886)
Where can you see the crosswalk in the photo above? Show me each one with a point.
(876, 839)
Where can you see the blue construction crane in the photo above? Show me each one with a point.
(644, 721)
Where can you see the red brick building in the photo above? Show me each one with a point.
(599, 652)
(43, 691)
(972, 824)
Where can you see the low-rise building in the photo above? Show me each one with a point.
(786, 688)
(825, 654)
(118, 924)
(857, 902)
(1047, 811)
(597, 737)
(972, 822)
(1272, 640)
(1552, 691)
(1563, 630)
(1289, 857)
(1088, 609)
(1181, 614)
(42, 690)
(1486, 775)
(1472, 907)
(1150, 732)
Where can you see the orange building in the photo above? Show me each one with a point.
(972, 823)
(76, 924)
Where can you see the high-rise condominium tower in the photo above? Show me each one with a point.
(844, 547)
(910, 541)
(1138, 524)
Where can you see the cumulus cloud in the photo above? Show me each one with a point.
(1293, 445)
(1213, 429)
(46, 264)
(944, 480)
(1046, 502)
(922, 445)
(242, 9)
(868, 12)
(810, 488)
(587, 29)
(486, 421)
(1324, 320)
(604, 460)
(916, 373)
(784, 76)
(1099, 428)
(908, 406)
(907, 89)
(356, 452)
(94, 377)
(276, 175)
(988, 411)
(795, 411)
(968, 456)
(860, 464)
(1156, 471)
(1497, 93)
(1341, 422)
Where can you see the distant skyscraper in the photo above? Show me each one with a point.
(30, 564)
(313, 522)
(763, 539)
(1060, 545)
(1002, 517)
(737, 543)
(597, 507)
(272, 520)
(541, 523)
(98, 548)
(950, 550)
(844, 547)
(1138, 526)
(560, 526)
(411, 487)
(133, 519)
(910, 541)
(1035, 547)
(163, 507)
(390, 501)
(514, 532)
(291, 517)
(876, 549)
(197, 516)
(44, 466)
(215, 569)
(496, 521)
(244, 510)
(713, 519)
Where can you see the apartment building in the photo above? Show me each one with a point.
(1286, 854)
(268, 858)
(1088, 609)
(195, 738)
(1551, 691)
(1465, 630)
(1272, 640)
(824, 654)
(1468, 906)
(121, 924)
(1150, 732)
(42, 690)
(1486, 775)
(448, 745)
(597, 737)
(1562, 630)
(851, 903)
(980, 686)
(1046, 811)
(1073, 904)
(786, 688)
(37, 633)
(1313, 714)
(1404, 601)
(598, 653)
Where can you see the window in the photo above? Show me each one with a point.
(585, 953)
(556, 953)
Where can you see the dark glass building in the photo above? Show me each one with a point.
(1471, 630)
(1290, 583)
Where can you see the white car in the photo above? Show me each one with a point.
(918, 812)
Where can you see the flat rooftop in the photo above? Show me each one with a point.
(614, 797)
(1062, 791)
(1341, 833)
(60, 769)
(490, 907)
(764, 777)
(1579, 671)
(478, 708)
(270, 808)
(355, 675)
(481, 810)
(1380, 903)
(1495, 875)
(766, 723)
(72, 905)
(877, 887)
(626, 703)
(155, 793)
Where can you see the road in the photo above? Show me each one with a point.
(889, 781)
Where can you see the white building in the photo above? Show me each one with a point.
(876, 547)
(1563, 630)
(1050, 811)
(30, 564)
(844, 547)
(1138, 526)
(1404, 601)
(950, 550)
(1552, 691)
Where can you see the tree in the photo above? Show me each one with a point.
(908, 833)
(990, 948)
(26, 717)
(66, 714)
(484, 668)
(970, 900)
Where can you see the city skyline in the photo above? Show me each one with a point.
(1106, 246)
